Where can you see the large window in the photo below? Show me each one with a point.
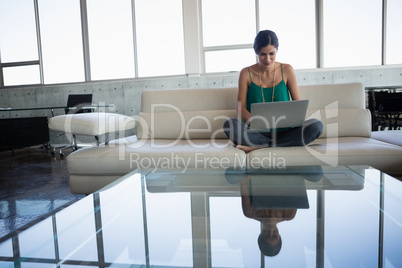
(394, 37)
(21, 75)
(17, 31)
(221, 30)
(18, 42)
(294, 23)
(61, 39)
(110, 39)
(228, 23)
(352, 33)
(159, 37)
(228, 60)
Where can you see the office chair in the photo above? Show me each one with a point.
(75, 105)
(387, 110)
(78, 102)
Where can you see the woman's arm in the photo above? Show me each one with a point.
(289, 214)
(242, 95)
(248, 209)
(291, 82)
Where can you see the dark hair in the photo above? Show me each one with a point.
(265, 38)
(268, 249)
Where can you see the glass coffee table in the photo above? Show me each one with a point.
(347, 216)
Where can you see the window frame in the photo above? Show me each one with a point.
(194, 50)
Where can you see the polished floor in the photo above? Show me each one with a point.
(33, 184)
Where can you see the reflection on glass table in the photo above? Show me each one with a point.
(274, 197)
(347, 216)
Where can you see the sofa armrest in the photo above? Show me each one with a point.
(389, 136)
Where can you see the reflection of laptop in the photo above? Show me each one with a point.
(278, 192)
(279, 114)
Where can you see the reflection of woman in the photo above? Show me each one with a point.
(259, 83)
(269, 240)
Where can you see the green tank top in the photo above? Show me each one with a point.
(254, 94)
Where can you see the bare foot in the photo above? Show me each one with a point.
(246, 149)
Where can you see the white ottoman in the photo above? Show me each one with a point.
(90, 124)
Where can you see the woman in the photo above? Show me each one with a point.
(259, 83)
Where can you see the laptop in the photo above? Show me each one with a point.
(280, 114)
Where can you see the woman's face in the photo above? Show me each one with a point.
(267, 56)
(271, 235)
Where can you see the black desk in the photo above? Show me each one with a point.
(22, 132)
(9, 109)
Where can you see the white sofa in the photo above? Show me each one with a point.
(183, 129)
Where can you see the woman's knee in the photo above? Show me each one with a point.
(313, 127)
(320, 128)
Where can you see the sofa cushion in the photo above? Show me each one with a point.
(184, 124)
(333, 152)
(351, 95)
(344, 122)
(119, 159)
(189, 99)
